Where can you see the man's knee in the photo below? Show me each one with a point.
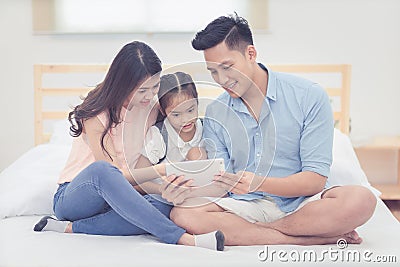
(181, 216)
(358, 203)
(365, 201)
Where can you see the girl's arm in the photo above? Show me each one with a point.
(149, 187)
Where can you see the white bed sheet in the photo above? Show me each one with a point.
(27, 186)
(21, 246)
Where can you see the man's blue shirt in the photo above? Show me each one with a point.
(294, 133)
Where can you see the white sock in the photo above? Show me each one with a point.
(48, 223)
(214, 240)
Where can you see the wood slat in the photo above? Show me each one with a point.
(74, 68)
(389, 191)
(337, 116)
(209, 92)
(345, 99)
(38, 104)
(40, 92)
(54, 115)
(334, 91)
(65, 91)
(46, 137)
(308, 68)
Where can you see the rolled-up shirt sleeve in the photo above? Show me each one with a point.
(316, 139)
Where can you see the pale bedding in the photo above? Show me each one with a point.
(20, 246)
(27, 187)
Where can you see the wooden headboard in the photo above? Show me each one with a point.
(341, 91)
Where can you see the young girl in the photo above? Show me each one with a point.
(178, 136)
(96, 193)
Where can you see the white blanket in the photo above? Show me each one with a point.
(21, 246)
(27, 187)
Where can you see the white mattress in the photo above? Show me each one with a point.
(21, 246)
(27, 187)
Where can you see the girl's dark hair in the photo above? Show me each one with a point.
(232, 29)
(132, 65)
(172, 85)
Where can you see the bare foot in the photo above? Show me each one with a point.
(353, 237)
(341, 241)
(350, 238)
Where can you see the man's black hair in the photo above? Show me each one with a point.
(232, 29)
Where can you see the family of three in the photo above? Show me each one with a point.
(273, 130)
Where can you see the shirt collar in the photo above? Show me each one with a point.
(238, 105)
(177, 140)
(271, 87)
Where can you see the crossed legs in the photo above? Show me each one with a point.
(341, 210)
(336, 215)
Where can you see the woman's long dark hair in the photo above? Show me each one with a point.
(133, 64)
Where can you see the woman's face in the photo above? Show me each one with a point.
(144, 93)
(182, 113)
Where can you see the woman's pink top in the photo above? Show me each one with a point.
(127, 137)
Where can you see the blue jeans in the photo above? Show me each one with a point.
(100, 201)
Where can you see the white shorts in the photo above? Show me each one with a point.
(260, 210)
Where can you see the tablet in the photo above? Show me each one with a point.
(201, 171)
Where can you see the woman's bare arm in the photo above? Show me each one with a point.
(94, 129)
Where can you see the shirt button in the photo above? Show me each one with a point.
(258, 154)
(256, 134)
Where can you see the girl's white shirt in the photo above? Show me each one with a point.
(155, 148)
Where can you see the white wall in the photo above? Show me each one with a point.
(364, 33)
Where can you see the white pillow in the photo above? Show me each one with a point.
(27, 186)
(60, 133)
(346, 169)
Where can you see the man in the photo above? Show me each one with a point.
(275, 133)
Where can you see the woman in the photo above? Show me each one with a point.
(96, 193)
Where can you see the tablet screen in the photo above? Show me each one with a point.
(201, 171)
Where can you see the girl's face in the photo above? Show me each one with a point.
(142, 96)
(182, 113)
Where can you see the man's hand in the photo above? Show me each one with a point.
(175, 189)
(240, 183)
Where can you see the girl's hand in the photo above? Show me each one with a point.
(196, 153)
(175, 189)
(242, 182)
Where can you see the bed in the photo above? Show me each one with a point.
(27, 186)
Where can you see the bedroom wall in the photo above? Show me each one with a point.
(364, 33)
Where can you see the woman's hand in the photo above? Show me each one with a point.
(242, 182)
(175, 189)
